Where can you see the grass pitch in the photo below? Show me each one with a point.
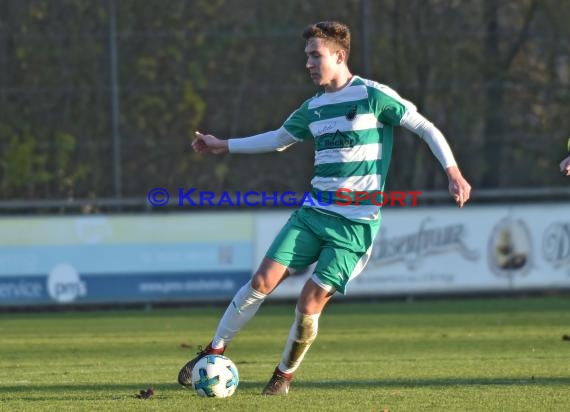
(470, 355)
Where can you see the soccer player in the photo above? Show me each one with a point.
(565, 166)
(351, 121)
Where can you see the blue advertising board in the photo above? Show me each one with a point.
(114, 259)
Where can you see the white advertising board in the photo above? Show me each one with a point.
(450, 250)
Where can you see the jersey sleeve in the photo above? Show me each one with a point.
(297, 124)
(389, 107)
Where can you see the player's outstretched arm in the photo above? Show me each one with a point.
(565, 166)
(459, 188)
(207, 143)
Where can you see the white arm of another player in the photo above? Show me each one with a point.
(416, 123)
(276, 140)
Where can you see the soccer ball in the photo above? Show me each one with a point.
(215, 376)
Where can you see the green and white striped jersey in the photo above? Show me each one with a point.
(353, 134)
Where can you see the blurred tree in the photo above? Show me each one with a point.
(52, 115)
(500, 53)
(493, 75)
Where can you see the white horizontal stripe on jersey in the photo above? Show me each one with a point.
(341, 123)
(359, 153)
(348, 94)
(354, 183)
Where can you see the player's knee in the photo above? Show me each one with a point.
(309, 307)
(268, 276)
(261, 283)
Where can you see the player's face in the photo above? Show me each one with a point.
(323, 62)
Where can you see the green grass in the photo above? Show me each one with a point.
(471, 355)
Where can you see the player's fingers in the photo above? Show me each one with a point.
(199, 146)
(462, 196)
(464, 199)
(456, 197)
(465, 190)
(458, 201)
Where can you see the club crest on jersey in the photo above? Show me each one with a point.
(351, 114)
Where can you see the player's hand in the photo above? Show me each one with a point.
(565, 166)
(459, 188)
(207, 143)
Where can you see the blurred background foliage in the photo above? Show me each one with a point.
(493, 75)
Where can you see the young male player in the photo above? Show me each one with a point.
(351, 122)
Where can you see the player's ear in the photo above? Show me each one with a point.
(341, 56)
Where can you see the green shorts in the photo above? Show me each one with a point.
(341, 246)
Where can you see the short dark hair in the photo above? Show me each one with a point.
(331, 31)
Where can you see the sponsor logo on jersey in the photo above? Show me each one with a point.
(336, 141)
